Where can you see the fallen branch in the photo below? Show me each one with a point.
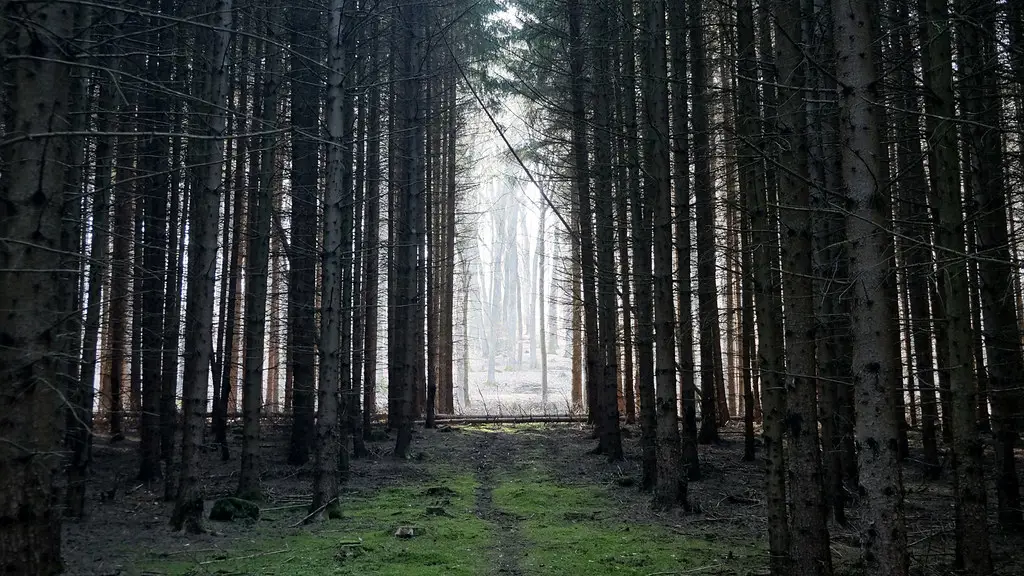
(249, 557)
(288, 507)
(314, 512)
(690, 571)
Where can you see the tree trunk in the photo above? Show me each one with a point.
(82, 397)
(810, 544)
(305, 177)
(711, 376)
(36, 101)
(917, 260)
(968, 479)
(231, 282)
(626, 176)
(120, 275)
(670, 489)
(766, 284)
(156, 152)
(883, 538)
(643, 289)
(261, 207)
(371, 235)
(409, 171)
(581, 190)
(607, 397)
(541, 303)
(188, 507)
(679, 26)
(328, 441)
(980, 91)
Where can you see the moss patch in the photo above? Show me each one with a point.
(577, 530)
(362, 541)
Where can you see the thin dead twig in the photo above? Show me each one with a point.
(249, 557)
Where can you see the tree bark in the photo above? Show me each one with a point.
(36, 100)
(883, 535)
(711, 377)
(670, 489)
(371, 235)
(188, 507)
(305, 177)
(328, 440)
(767, 289)
(607, 397)
(678, 28)
(968, 479)
(982, 107)
(261, 207)
(810, 545)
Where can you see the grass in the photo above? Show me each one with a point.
(578, 530)
(362, 541)
(561, 529)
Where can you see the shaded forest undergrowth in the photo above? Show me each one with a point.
(508, 500)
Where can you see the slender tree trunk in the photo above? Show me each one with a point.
(120, 275)
(305, 177)
(261, 207)
(355, 418)
(410, 123)
(157, 152)
(172, 325)
(448, 304)
(541, 303)
(826, 241)
(371, 236)
(751, 172)
(968, 480)
(328, 441)
(810, 545)
(707, 291)
(82, 397)
(188, 507)
(670, 489)
(917, 260)
(629, 188)
(986, 176)
(607, 398)
(678, 26)
(766, 286)
(643, 281)
(231, 306)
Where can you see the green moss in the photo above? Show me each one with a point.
(577, 530)
(362, 541)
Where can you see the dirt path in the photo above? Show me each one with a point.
(492, 453)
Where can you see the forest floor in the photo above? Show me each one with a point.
(481, 500)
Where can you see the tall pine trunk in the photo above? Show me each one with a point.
(670, 488)
(36, 100)
(810, 545)
(328, 442)
(883, 534)
(261, 206)
(188, 507)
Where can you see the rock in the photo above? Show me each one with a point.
(231, 509)
(405, 532)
